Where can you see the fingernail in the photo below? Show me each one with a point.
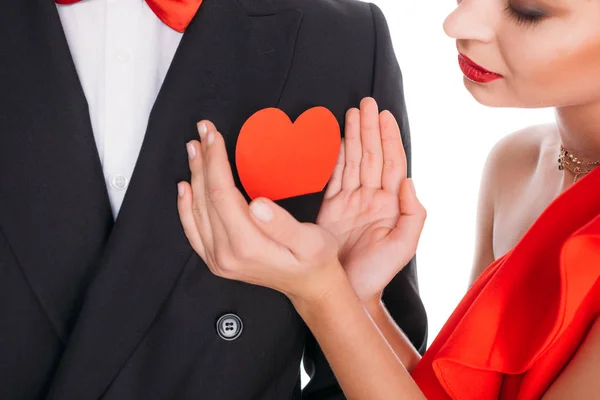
(191, 150)
(210, 139)
(180, 189)
(261, 211)
(412, 186)
(202, 129)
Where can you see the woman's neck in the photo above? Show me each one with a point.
(579, 130)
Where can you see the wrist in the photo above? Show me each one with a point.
(336, 288)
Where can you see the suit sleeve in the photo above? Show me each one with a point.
(401, 297)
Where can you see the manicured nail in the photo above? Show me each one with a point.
(191, 150)
(180, 189)
(261, 211)
(412, 186)
(202, 129)
(211, 138)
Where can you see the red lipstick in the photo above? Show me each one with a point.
(475, 72)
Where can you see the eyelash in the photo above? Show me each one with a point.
(523, 18)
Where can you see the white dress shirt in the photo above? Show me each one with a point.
(122, 52)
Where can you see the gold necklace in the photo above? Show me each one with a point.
(577, 166)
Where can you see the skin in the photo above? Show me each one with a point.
(326, 269)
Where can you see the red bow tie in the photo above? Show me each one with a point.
(175, 13)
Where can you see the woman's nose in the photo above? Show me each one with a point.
(472, 20)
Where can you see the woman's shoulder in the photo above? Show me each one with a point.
(506, 204)
(523, 148)
(518, 155)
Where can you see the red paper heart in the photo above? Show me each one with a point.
(278, 159)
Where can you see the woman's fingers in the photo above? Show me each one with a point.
(394, 158)
(188, 218)
(206, 130)
(372, 158)
(222, 196)
(335, 183)
(352, 151)
(197, 195)
(267, 246)
(405, 236)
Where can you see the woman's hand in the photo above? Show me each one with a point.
(370, 206)
(263, 244)
(260, 243)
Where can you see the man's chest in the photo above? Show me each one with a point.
(121, 51)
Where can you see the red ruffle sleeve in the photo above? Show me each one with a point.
(525, 317)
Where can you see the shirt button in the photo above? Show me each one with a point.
(229, 327)
(123, 55)
(119, 182)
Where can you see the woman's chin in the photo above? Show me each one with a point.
(488, 94)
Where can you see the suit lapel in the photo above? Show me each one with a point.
(54, 209)
(231, 61)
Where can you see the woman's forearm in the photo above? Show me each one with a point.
(364, 363)
(403, 348)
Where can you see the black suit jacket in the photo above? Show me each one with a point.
(95, 309)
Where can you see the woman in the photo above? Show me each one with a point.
(527, 328)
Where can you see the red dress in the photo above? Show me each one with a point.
(524, 318)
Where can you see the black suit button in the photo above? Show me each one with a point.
(229, 327)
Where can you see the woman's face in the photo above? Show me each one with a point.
(546, 51)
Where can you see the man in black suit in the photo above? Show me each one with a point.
(92, 308)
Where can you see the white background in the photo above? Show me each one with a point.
(451, 137)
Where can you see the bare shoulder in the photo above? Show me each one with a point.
(510, 165)
(519, 153)
(516, 158)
